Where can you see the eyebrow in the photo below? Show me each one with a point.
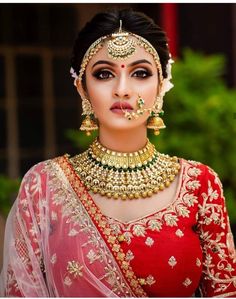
(113, 64)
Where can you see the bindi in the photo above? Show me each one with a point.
(122, 66)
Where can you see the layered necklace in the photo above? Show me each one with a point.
(125, 175)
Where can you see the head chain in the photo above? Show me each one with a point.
(98, 44)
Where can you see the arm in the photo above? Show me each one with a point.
(22, 274)
(219, 257)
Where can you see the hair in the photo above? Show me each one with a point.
(108, 22)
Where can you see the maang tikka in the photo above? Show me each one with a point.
(88, 124)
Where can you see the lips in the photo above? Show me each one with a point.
(121, 106)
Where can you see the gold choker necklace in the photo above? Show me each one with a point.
(125, 175)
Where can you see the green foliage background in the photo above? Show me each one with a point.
(8, 189)
(200, 116)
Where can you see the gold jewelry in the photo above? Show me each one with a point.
(120, 45)
(88, 124)
(155, 121)
(87, 108)
(125, 175)
(140, 110)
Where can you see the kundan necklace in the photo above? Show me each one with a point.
(125, 175)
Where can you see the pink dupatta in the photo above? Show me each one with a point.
(58, 244)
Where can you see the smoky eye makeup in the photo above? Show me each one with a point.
(142, 73)
(102, 74)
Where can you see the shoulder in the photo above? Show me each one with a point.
(209, 181)
(43, 168)
(37, 175)
(202, 170)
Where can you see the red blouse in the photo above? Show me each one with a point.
(186, 244)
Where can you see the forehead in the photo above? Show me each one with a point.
(140, 53)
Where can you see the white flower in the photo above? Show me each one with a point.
(167, 85)
(73, 73)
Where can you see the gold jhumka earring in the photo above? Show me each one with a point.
(88, 124)
(155, 122)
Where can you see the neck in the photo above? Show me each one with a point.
(123, 140)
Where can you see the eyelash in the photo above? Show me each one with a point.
(144, 74)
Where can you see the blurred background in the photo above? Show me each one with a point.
(40, 111)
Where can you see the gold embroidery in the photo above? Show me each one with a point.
(139, 230)
(121, 238)
(170, 215)
(73, 232)
(53, 259)
(75, 269)
(198, 262)
(149, 241)
(92, 256)
(67, 281)
(217, 265)
(129, 255)
(150, 280)
(179, 233)
(147, 281)
(71, 209)
(225, 295)
(187, 282)
(172, 261)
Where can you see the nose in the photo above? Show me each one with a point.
(122, 88)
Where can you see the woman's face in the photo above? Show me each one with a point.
(110, 82)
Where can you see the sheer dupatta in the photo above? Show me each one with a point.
(57, 243)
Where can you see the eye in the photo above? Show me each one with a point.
(142, 74)
(103, 74)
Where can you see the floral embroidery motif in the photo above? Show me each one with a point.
(150, 280)
(53, 259)
(172, 261)
(75, 269)
(209, 213)
(139, 230)
(149, 241)
(129, 255)
(169, 216)
(92, 256)
(198, 262)
(193, 185)
(73, 232)
(67, 281)
(179, 233)
(83, 214)
(216, 264)
(187, 282)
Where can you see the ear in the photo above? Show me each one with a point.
(80, 89)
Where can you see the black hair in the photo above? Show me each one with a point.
(108, 22)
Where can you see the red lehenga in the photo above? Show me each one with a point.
(59, 244)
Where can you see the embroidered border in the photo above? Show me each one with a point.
(102, 225)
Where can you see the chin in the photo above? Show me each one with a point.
(123, 124)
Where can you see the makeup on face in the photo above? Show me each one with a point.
(108, 69)
(119, 107)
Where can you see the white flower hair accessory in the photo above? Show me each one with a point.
(167, 85)
(73, 75)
